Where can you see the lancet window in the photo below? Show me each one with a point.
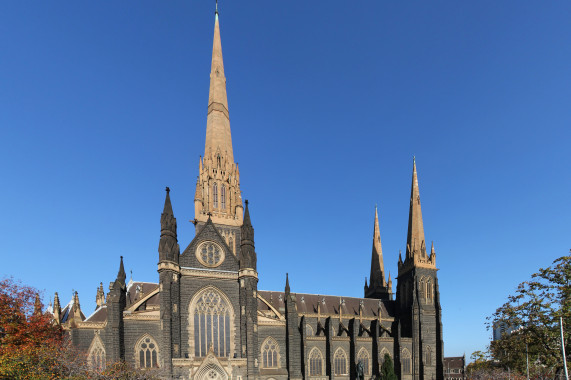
(212, 324)
(363, 357)
(147, 352)
(270, 353)
(428, 291)
(340, 361)
(406, 361)
(223, 197)
(315, 362)
(96, 356)
(215, 195)
(428, 356)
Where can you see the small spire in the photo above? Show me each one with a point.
(287, 290)
(216, 11)
(247, 221)
(167, 210)
(121, 276)
(37, 305)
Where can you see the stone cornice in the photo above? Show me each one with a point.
(210, 273)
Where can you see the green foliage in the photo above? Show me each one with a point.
(534, 312)
(387, 369)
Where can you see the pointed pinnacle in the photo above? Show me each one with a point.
(167, 210)
(121, 276)
(247, 221)
(287, 290)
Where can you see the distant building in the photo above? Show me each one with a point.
(501, 328)
(455, 368)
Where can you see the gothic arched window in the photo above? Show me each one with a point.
(363, 357)
(428, 291)
(147, 352)
(212, 323)
(428, 356)
(96, 355)
(421, 291)
(270, 353)
(315, 362)
(308, 330)
(223, 197)
(215, 195)
(382, 355)
(340, 359)
(406, 361)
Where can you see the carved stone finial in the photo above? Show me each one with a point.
(168, 189)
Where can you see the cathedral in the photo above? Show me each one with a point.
(205, 318)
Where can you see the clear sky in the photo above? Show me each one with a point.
(103, 104)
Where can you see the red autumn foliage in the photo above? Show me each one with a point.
(19, 325)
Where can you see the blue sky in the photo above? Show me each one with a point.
(103, 104)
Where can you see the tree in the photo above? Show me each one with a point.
(533, 312)
(387, 369)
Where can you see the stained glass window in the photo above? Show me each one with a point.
(211, 324)
(270, 352)
(406, 362)
(210, 254)
(315, 362)
(97, 355)
(340, 359)
(363, 356)
(148, 354)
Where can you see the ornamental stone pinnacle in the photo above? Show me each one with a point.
(218, 185)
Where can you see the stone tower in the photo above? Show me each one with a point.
(418, 300)
(169, 285)
(218, 185)
(378, 287)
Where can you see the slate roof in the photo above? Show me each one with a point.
(307, 304)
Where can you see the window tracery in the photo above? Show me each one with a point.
(406, 361)
(340, 362)
(363, 357)
(96, 355)
(428, 356)
(147, 352)
(212, 323)
(270, 353)
(315, 362)
(210, 254)
(429, 288)
(309, 330)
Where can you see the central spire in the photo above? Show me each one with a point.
(218, 185)
(218, 136)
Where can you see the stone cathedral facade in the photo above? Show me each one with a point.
(207, 319)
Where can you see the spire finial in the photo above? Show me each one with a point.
(167, 189)
(216, 11)
(287, 289)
